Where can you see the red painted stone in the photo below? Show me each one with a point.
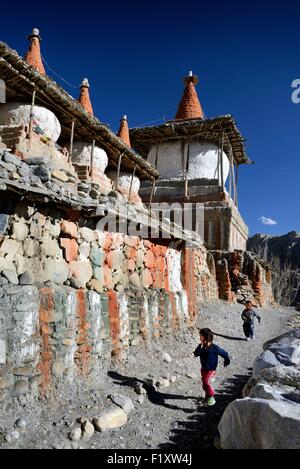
(70, 247)
(149, 259)
(69, 228)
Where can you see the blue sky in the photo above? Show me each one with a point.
(136, 53)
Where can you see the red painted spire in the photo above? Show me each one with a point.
(123, 132)
(189, 106)
(84, 97)
(33, 55)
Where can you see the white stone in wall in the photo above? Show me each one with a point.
(124, 320)
(82, 155)
(203, 160)
(174, 270)
(125, 180)
(2, 352)
(17, 114)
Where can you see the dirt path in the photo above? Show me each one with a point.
(168, 417)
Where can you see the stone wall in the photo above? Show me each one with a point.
(72, 296)
(241, 276)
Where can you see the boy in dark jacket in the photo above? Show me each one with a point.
(248, 316)
(208, 353)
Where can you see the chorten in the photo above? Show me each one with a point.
(33, 55)
(84, 97)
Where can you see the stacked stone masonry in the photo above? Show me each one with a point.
(73, 296)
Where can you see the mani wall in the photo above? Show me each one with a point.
(73, 296)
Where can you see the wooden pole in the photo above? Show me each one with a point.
(131, 182)
(152, 193)
(236, 185)
(118, 172)
(156, 156)
(186, 182)
(71, 140)
(221, 158)
(92, 160)
(31, 114)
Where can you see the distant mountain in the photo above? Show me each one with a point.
(286, 249)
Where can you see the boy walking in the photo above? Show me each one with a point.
(208, 353)
(248, 316)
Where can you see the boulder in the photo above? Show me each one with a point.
(265, 360)
(260, 424)
(282, 375)
(114, 417)
(122, 401)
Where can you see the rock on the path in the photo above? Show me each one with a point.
(139, 388)
(12, 436)
(141, 399)
(87, 430)
(192, 375)
(282, 375)
(166, 357)
(260, 424)
(75, 434)
(122, 401)
(162, 383)
(265, 360)
(264, 391)
(114, 417)
(21, 424)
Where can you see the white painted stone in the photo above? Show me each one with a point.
(2, 352)
(52, 229)
(84, 251)
(31, 247)
(20, 263)
(9, 248)
(16, 114)
(82, 155)
(56, 271)
(49, 246)
(174, 270)
(87, 234)
(203, 160)
(19, 231)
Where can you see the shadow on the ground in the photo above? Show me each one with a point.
(154, 396)
(200, 430)
(229, 337)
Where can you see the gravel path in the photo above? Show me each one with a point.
(168, 418)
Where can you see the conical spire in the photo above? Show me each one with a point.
(123, 132)
(84, 97)
(33, 55)
(189, 106)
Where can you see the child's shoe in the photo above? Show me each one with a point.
(211, 401)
